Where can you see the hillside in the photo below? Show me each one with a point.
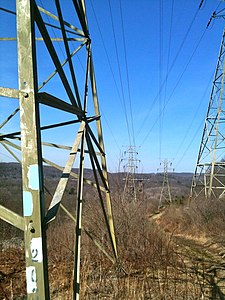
(176, 253)
(180, 183)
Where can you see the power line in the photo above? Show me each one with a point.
(192, 121)
(175, 87)
(160, 73)
(127, 74)
(195, 134)
(119, 69)
(170, 69)
(106, 52)
(191, 143)
(114, 79)
(169, 48)
(113, 75)
(110, 129)
(181, 76)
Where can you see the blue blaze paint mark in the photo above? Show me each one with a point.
(27, 204)
(33, 177)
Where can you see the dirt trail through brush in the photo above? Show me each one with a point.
(204, 260)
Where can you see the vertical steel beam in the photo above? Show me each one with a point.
(33, 196)
(77, 248)
(76, 272)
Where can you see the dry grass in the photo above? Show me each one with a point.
(202, 218)
(150, 265)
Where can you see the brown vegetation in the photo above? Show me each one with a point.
(174, 254)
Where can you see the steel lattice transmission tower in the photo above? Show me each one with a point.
(209, 176)
(130, 168)
(165, 195)
(62, 106)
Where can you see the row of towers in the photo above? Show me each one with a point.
(209, 176)
(133, 183)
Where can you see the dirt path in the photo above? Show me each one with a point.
(204, 260)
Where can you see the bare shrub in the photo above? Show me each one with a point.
(149, 266)
(201, 217)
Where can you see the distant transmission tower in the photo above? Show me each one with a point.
(165, 195)
(130, 168)
(209, 176)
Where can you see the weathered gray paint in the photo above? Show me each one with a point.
(34, 221)
(36, 270)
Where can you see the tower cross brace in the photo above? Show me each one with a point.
(209, 176)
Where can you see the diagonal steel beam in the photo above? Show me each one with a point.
(50, 163)
(68, 52)
(105, 213)
(80, 12)
(9, 117)
(54, 205)
(53, 54)
(93, 154)
(11, 152)
(103, 159)
(55, 102)
(54, 17)
(11, 217)
(62, 65)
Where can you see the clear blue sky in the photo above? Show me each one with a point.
(154, 46)
(148, 54)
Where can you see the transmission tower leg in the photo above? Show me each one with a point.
(33, 197)
(76, 277)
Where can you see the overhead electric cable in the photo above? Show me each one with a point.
(160, 74)
(110, 129)
(190, 144)
(119, 69)
(113, 75)
(169, 48)
(106, 52)
(200, 5)
(194, 117)
(170, 69)
(127, 74)
(110, 67)
(176, 85)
